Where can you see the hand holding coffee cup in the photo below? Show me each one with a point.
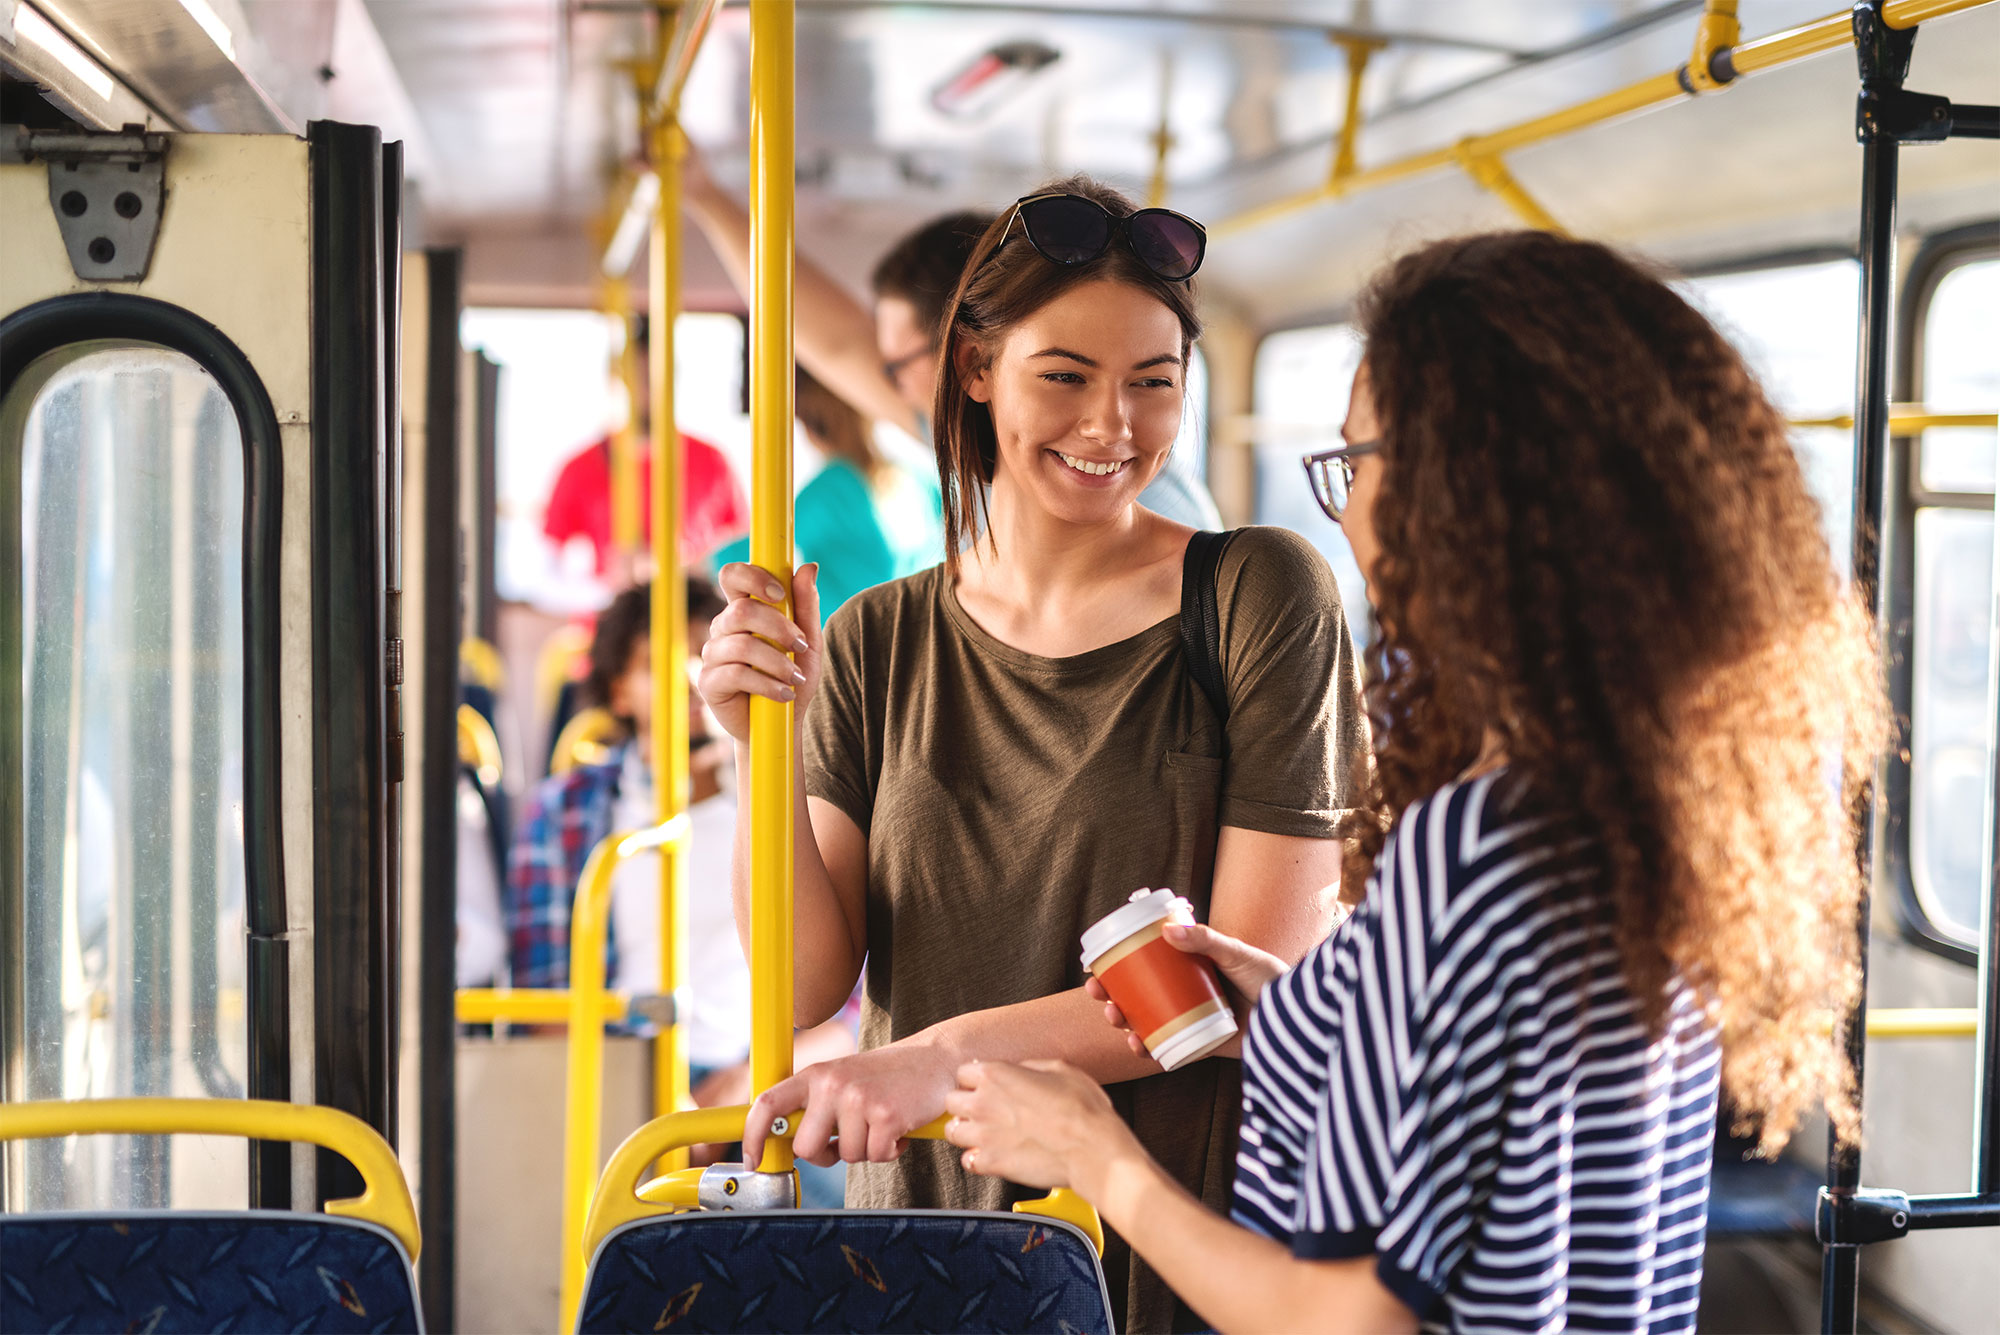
(1171, 1000)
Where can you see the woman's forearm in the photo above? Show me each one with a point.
(827, 954)
(1067, 1026)
(1236, 1279)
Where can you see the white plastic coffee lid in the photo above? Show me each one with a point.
(1145, 908)
(1197, 1040)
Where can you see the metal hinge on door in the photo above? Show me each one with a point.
(107, 191)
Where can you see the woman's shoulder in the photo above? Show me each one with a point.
(1261, 556)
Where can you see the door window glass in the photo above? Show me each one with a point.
(1951, 792)
(1301, 385)
(1962, 375)
(131, 486)
(1795, 326)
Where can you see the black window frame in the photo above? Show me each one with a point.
(1941, 254)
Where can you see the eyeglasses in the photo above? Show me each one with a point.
(894, 370)
(1070, 229)
(1332, 475)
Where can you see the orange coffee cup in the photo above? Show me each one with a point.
(1171, 999)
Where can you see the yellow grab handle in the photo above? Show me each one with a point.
(385, 1197)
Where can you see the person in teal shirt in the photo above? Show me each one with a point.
(865, 518)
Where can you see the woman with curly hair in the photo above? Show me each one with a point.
(1610, 873)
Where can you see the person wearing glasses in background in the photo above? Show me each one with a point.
(1610, 877)
(997, 752)
(886, 363)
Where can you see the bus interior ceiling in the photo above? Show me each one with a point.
(518, 116)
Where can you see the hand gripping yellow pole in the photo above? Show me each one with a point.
(670, 646)
(771, 736)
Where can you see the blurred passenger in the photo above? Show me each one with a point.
(1608, 876)
(864, 519)
(567, 815)
(713, 511)
(998, 751)
(887, 365)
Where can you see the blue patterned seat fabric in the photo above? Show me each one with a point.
(147, 1271)
(846, 1270)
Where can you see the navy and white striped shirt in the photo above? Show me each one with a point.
(1458, 1082)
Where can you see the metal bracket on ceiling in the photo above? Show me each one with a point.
(106, 190)
(1487, 169)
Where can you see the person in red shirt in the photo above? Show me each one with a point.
(713, 510)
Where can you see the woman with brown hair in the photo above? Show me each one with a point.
(997, 752)
(1616, 681)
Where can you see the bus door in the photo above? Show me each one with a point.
(199, 661)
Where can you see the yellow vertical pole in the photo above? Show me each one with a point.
(1163, 137)
(669, 618)
(772, 761)
(624, 471)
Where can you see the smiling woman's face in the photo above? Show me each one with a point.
(1086, 400)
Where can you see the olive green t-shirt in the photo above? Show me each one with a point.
(1011, 800)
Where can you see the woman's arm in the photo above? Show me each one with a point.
(1272, 892)
(1046, 1125)
(835, 336)
(755, 650)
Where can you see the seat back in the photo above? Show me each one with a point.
(846, 1270)
(188, 1270)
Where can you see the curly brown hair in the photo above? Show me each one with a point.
(1597, 547)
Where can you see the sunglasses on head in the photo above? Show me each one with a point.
(1070, 229)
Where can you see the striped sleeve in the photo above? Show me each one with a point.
(1386, 1138)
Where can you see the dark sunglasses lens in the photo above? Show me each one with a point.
(1067, 229)
(1167, 243)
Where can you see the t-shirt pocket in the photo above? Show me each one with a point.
(1194, 798)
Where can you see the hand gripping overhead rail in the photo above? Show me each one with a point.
(1718, 59)
(1887, 116)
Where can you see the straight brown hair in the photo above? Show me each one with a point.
(1003, 285)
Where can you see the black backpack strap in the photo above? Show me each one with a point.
(1201, 617)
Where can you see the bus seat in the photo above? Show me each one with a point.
(211, 1270)
(1036, 1269)
(165, 1270)
(846, 1270)
(587, 739)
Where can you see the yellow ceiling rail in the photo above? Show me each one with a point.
(659, 91)
(1493, 177)
(530, 1005)
(1346, 147)
(1904, 419)
(1825, 34)
(1163, 137)
(385, 1196)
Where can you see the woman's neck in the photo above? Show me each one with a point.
(1055, 588)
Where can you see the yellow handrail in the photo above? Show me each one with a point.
(622, 1198)
(586, 739)
(384, 1199)
(477, 746)
(1835, 30)
(583, 1099)
(771, 738)
(1923, 1022)
(1904, 419)
(671, 788)
(530, 1005)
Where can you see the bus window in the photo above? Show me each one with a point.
(1302, 378)
(1191, 446)
(1950, 695)
(1795, 325)
(132, 694)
